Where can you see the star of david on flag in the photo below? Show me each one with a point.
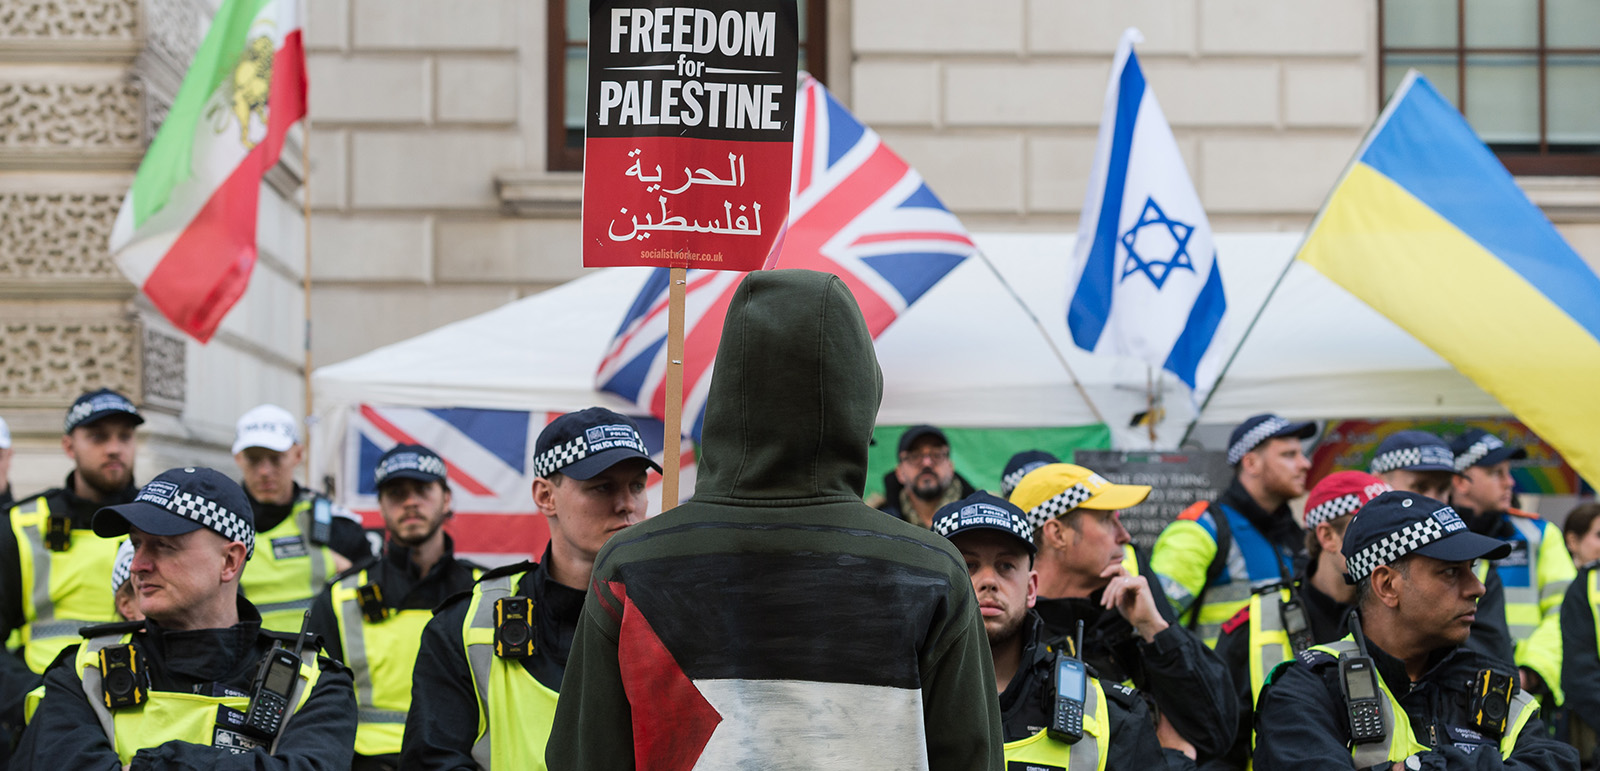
(1146, 281)
(856, 210)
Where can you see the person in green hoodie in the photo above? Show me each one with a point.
(775, 616)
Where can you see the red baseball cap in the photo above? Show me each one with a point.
(1341, 493)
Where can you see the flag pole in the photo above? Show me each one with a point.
(672, 425)
(305, 281)
(1050, 341)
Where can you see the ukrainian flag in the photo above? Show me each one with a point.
(1428, 228)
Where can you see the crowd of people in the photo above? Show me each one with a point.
(1410, 618)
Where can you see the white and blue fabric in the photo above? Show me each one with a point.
(1146, 281)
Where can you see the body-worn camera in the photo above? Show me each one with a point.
(370, 596)
(57, 533)
(123, 679)
(513, 627)
(1491, 701)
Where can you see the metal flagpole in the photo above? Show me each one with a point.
(1047, 339)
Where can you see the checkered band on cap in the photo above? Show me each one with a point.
(1332, 509)
(210, 514)
(1485, 445)
(1408, 457)
(1402, 542)
(409, 461)
(1010, 481)
(608, 437)
(82, 410)
(983, 514)
(1063, 502)
(1255, 436)
(122, 570)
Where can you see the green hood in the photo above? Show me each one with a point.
(794, 394)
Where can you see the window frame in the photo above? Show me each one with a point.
(1542, 162)
(560, 157)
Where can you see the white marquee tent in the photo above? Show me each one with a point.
(967, 354)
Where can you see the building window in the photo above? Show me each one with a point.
(568, 72)
(1526, 73)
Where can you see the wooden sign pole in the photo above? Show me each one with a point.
(672, 428)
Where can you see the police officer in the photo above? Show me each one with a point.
(1215, 555)
(1422, 463)
(305, 539)
(198, 683)
(491, 698)
(52, 565)
(1282, 621)
(1130, 632)
(373, 615)
(994, 538)
(1417, 698)
(1537, 571)
(1580, 661)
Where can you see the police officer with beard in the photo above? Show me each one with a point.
(996, 542)
(373, 615)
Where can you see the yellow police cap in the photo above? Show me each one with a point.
(1050, 491)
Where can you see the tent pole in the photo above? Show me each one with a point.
(1047, 339)
(672, 425)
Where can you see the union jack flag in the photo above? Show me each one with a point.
(488, 457)
(856, 210)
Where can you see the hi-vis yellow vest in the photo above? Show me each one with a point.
(1269, 641)
(1089, 754)
(508, 696)
(166, 715)
(1401, 742)
(381, 656)
(288, 571)
(61, 590)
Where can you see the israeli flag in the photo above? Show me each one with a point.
(1147, 283)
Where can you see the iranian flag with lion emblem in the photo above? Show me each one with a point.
(186, 233)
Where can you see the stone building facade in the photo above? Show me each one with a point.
(83, 84)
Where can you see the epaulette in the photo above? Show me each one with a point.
(1315, 658)
(1119, 693)
(451, 600)
(114, 627)
(1239, 619)
(356, 569)
(506, 570)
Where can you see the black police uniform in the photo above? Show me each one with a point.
(65, 733)
(1308, 728)
(441, 736)
(1028, 702)
(1187, 681)
(402, 586)
(1580, 660)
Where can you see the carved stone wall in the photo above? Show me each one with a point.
(58, 20)
(164, 373)
(71, 116)
(56, 236)
(48, 363)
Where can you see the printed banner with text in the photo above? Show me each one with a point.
(689, 133)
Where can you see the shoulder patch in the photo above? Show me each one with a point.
(115, 627)
(1195, 511)
(1239, 619)
(452, 600)
(506, 570)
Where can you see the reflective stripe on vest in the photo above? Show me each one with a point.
(283, 588)
(166, 715)
(1269, 642)
(507, 695)
(1089, 754)
(62, 591)
(1402, 742)
(381, 656)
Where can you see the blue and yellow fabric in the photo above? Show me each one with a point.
(1184, 552)
(1429, 229)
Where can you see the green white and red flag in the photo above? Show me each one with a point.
(186, 234)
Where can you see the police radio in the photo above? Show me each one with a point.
(1358, 678)
(1066, 722)
(123, 679)
(273, 688)
(513, 627)
(1296, 625)
(1491, 701)
(321, 521)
